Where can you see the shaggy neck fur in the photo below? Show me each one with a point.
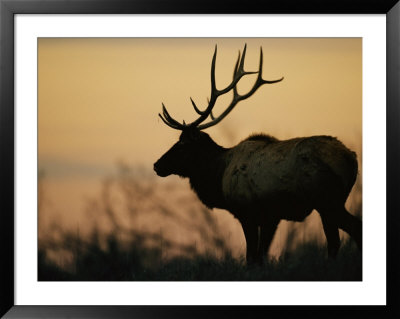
(206, 178)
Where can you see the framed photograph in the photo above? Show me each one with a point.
(167, 159)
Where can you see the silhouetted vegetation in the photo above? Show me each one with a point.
(124, 251)
(140, 263)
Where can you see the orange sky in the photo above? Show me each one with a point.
(99, 98)
(99, 101)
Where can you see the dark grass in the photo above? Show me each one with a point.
(145, 256)
(137, 262)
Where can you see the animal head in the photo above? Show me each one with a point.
(194, 145)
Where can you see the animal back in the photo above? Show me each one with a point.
(302, 168)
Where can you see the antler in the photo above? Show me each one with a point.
(238, 73)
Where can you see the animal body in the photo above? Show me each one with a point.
(263, 180)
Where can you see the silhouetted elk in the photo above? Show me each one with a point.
(263, 180)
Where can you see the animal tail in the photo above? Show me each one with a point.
(351, 159)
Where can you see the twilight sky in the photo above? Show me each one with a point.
(99, 101)
(99, 98)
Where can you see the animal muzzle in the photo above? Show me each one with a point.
(159, 170)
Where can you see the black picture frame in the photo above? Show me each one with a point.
(8, 10)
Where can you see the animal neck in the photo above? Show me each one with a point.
(206, 179)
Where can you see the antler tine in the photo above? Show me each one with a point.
(236, 96)
(215, 120)
(198, 111)
(166, 122)
(259, 78)
(213, 83)
(211, 112)
(238, 73)
(260, 81)
(235, 70)
(167, 119)
(214, 94)
(212, 116)
(241, 65)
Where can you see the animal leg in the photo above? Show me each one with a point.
(268, 229)
(250, 230)
(352, 225)
(332, 234)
